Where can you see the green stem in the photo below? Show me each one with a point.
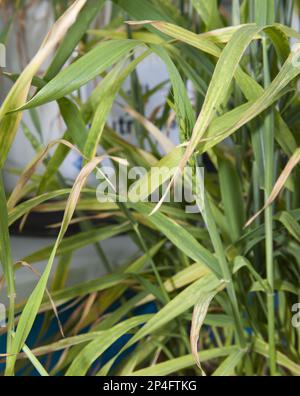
(289, 13)
(236, 18)
(136, 90)
(226, 272)
(269, 176)
(145, 249)
(8, 270)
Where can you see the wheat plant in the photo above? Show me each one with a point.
(224, 279)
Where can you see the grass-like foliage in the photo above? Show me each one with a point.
(224, 279)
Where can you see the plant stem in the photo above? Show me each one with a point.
(8, 269)
(289, 12)
(145, 249)
(269, 176)
(236, 19)
(226, 272)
